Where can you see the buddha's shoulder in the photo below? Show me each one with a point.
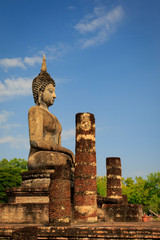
(37, 110)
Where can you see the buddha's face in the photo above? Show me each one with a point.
(48, 96)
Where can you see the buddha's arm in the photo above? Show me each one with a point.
(58, 148)
(37, 140)
(35, 118)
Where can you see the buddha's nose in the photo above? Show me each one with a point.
(54, 95)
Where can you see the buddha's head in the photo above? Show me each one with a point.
(43, 87)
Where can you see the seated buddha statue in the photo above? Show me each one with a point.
(44, 128)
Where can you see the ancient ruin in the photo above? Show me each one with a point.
(59, 190)
(85, 185)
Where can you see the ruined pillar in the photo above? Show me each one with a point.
(85, 191)
(114, 182)
(60, 196)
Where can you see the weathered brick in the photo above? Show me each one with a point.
(60, 196)
(85, 170)
(114, 184)
(85, 197)
(82, 185)
(81, 199)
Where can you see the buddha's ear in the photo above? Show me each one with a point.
(39, 96)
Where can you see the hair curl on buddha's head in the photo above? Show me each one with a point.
(39, 84)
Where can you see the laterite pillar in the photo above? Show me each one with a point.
(85, 192)
(114, 182)
(60, 196)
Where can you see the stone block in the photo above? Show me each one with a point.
(22, 213)
(123, 212)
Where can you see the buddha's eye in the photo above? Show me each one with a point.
(50, 90)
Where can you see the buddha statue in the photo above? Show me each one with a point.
(44, 128)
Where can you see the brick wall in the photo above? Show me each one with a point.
(96, 231)
(24, 213)
(123, 212)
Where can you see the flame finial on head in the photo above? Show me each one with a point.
(44, 66)
(41, 81)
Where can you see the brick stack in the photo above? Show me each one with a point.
(114, 182)
(123, 212)
(60, 196)
(85, 195)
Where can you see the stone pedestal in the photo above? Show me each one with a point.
(29, 202)
(123, 212)
(85, 191)
(60, 196)
(34, 187)
(114, 182)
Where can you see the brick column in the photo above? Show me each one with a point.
(60, 196)
(85, 195)
(114, 183)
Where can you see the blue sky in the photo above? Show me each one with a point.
(105, 59)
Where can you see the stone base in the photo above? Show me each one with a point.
(105, 200)
(123, 212)
(20, 195)
(36, 179)
(22, 213)
(34, 188)
(29, 204)
(150, 230)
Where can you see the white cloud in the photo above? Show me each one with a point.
(68, 134)
(54, 51)
(71, 7)
(4, 115)
(7, 63)
(15, 142)
(98, 26)
(6, 139)
(33, 60)
(10, 125)
(11, 63)
(12, 87)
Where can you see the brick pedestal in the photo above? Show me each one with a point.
(114, 182)
(123, 212)
(60, 196)
(85, 192)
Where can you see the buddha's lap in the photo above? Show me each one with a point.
(47, 160)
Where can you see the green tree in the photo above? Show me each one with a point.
(102, 186)
(145, 192)
(10, 175)
(152, 185)
(20, 163)
(134, 189)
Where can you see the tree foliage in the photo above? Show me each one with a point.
(134, 189)
(10, 175)
(139, 191)
(153, 187)
(102, 186)
(145, 192)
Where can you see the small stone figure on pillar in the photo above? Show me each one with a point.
(85, 191)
